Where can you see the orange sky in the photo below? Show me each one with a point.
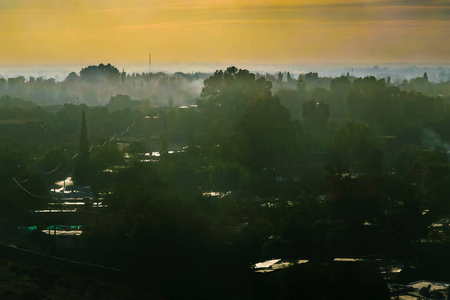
(224, 31)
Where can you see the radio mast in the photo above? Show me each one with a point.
(150, 63)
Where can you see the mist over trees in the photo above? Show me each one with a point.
(204, 175)
(94, 85)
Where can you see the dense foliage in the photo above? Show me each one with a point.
(324, 168)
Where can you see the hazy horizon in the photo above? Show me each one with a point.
(395, 70)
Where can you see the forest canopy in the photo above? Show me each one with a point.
(246, 167)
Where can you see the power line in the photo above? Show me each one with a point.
(52, 170)
(28, 192)
(61, 201)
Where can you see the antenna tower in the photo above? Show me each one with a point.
(150, 63)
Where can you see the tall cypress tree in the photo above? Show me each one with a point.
(84, 142)
(81, 172)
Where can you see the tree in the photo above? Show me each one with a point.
(72, 78)
(301, 89)
(100, 73)
(357, 147)
(320, 94)
(280, 76)
(20, 190)
(355, 198)
(123, 76)
(371, 101)
(339, 89)
(288, 77)
(64, 96)
(226, 97)
(292, 100)
(2, 86)
(82, 170)
(315, 115)
(266, 138)
(106, 156)
(54, 163)
(121, 102)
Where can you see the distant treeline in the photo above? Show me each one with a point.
(95, 84)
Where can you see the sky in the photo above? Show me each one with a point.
(177, 32)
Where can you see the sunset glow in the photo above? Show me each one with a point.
(221, 31)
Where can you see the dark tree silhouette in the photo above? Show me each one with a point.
(280, 77)
(315, 115)
(100, 73)
(357, 146)
(288, 77)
